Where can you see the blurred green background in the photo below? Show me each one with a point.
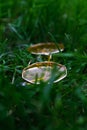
(49, 107)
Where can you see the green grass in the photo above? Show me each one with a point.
(46, 106)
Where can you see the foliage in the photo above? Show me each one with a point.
(46, 106)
